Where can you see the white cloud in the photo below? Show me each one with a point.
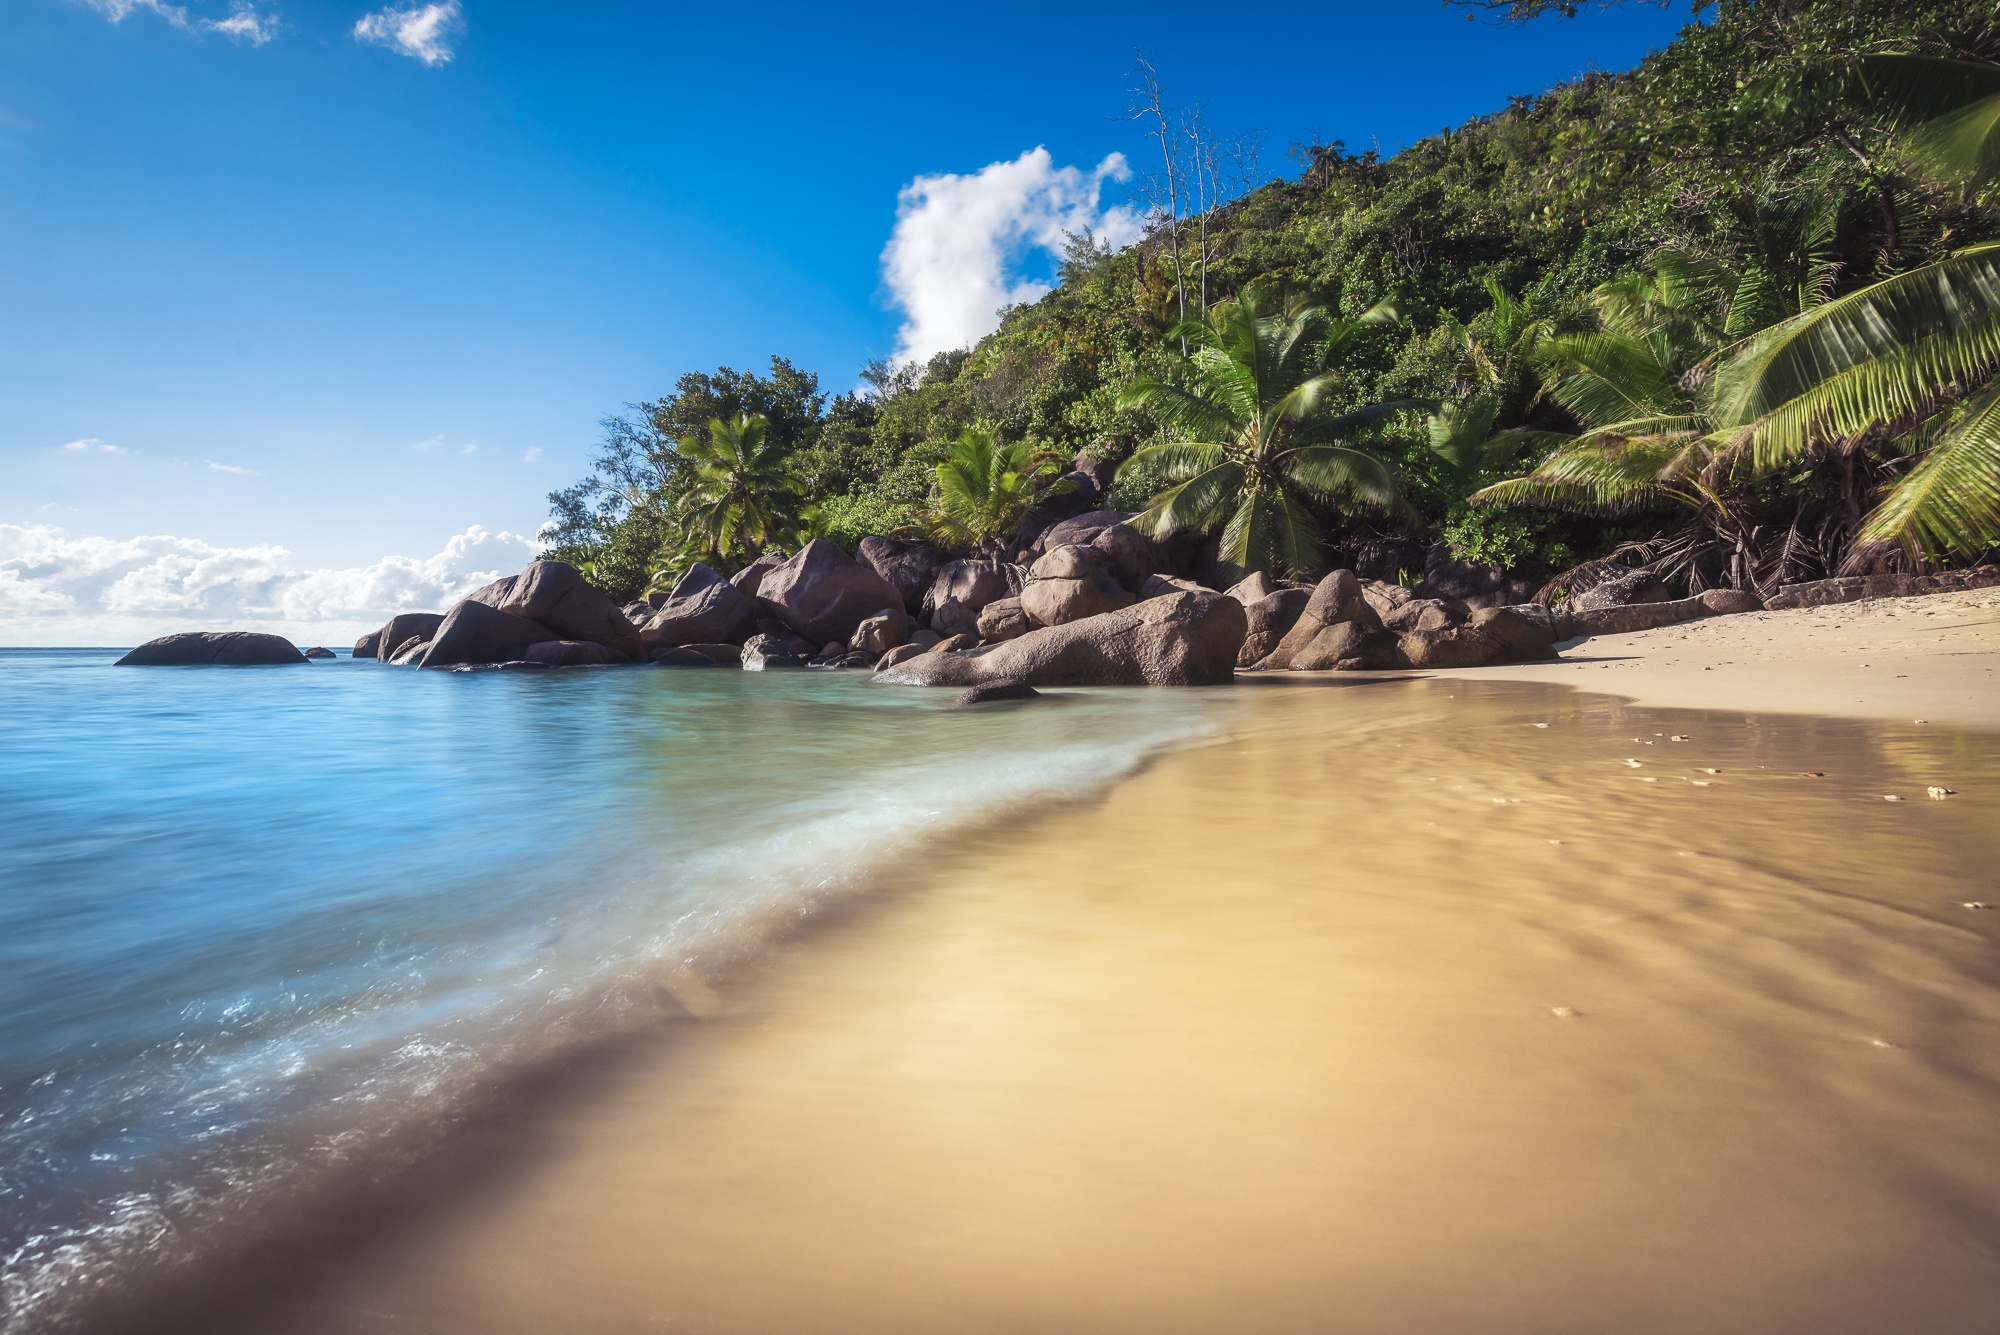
(58, 588)
(92, 445)
(534, 453)
(948, 263)
(422, 32)
(243, 23)
(469, 448)
(232, 468)
(430, 444)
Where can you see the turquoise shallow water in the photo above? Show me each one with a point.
(263, 925)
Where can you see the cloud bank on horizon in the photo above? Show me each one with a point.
(958, 239)
(62, 588)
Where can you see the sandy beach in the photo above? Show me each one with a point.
(1935, 657)
(1462, 1003)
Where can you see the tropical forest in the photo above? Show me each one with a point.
(1728, 316)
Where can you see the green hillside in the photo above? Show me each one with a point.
(1732, 148)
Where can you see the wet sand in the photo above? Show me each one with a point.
(1416, 1006)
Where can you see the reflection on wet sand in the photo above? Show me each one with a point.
(1399, 1011)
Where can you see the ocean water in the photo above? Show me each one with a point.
(266, 928)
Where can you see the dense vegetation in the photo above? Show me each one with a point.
(1750, 173)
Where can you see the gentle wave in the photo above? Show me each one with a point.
(270, 927)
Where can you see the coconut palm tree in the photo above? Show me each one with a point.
(743, 496)
(985, 490)
(1251, 400)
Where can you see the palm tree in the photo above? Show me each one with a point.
(1260, 441)
(985, 490)
(743, 493)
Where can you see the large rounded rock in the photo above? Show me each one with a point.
(317, 651)
(1270, 619)
(703, 608)
(878, 634)
(1422, 614)
(951, 617)
(398, 629)
(750, 578)
(1188, 639)
(477, 632)
(972, 583)
(1255, 588)
(909, 567)
(1335, 599)
(214, 648)
(1349, 646)
(729, 655)
(1071, 583)
(557, 595)
(823, 593)
(1003, 619)
(1627, 590)
(366, 646)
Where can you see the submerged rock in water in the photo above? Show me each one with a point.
(676, 657)
(1185, 639)
(572, 653)
(763, 652)
(317, 651)
(214, 648)
(991, 692)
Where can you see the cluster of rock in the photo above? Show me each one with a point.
(1079, 598)
(1825, 592)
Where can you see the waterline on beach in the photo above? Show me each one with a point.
(1413, 1006)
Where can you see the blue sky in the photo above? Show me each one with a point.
(280, 287)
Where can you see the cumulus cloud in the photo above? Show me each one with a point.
(421, 32)
(534, 453)
(61, 588)
(92, 445)
(958, 239)
(232, 468)
(244, 22)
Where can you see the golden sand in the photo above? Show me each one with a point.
(1417, 1006)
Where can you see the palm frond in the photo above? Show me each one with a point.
(1197, 504)
(1950, 503)
(1341, 470)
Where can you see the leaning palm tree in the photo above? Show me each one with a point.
(743, 493)
(1251, 400)
(985, 490)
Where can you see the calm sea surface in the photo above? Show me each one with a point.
(261, 926)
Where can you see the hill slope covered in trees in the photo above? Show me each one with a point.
(1729, 148)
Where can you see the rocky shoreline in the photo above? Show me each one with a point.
(1092, 603)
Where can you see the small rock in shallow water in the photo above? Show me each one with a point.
(987, 692)
(1565, 1012)
(1890, 797)
(1940, 794)
(1976, 904)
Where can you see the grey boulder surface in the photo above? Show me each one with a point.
(1072, 583)
(557, 595)
(751, 577)
(1003, 619)
(214, 648)
(824, 594)
(572, 653)
(676, 657)
(477, 632)
(878, 634)
(1271, 618)
(367, 645)
(1626, 590)
(397, 630)
(1187, 639)
(761, 653)
(703, 608)
(1335, 599)
(972, 583)
(909, 567)
(317, 651)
